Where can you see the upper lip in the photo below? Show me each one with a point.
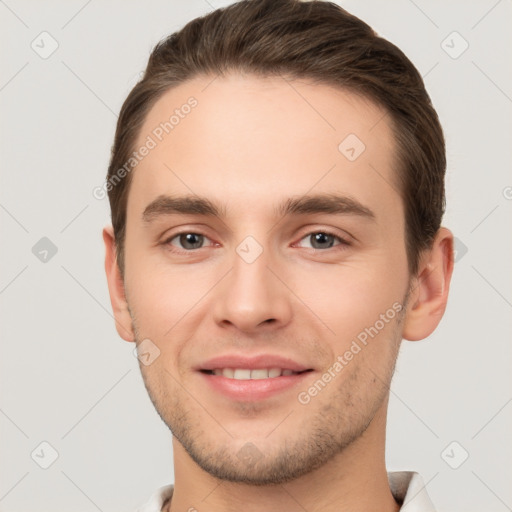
(252, 362)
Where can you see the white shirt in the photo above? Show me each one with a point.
(407, 488)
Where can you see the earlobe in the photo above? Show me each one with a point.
(429, 294)
(116, 287)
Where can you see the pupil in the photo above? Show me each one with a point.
(322, 238)
(191, 240)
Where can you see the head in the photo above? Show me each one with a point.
(288, 203)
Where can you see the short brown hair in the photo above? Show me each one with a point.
(314, 40)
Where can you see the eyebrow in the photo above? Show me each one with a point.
(309, 204)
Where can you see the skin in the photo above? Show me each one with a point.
(250, 144)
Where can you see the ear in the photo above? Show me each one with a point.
(429, 289)
(116, 287)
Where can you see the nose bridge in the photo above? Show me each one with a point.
(251, 294)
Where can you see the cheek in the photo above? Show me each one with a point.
(351, 295)
(349, 298)
(163, 298)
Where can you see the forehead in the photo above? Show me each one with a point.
(245, 138)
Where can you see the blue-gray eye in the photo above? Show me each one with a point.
(322, 240)
(190, 240)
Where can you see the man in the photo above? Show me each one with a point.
(277, 188)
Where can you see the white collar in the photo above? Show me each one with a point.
(407, 488)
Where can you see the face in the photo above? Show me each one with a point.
(265, 239)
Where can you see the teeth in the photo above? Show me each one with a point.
(259, 374)
(246, 374)
(274, 372)
(242, 374)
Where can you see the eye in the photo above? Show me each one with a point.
(187, 241)
(323, 240)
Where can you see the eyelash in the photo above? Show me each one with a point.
(343, 243)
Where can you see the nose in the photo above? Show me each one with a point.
(252, 298)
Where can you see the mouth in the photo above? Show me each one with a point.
(253, 384)
(253, 373)
(252, 377)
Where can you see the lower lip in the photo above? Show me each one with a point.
(253, 389)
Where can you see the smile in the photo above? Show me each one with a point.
(247, 373)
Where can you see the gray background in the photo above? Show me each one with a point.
(67, 379)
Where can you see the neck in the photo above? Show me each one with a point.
(354, 480)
